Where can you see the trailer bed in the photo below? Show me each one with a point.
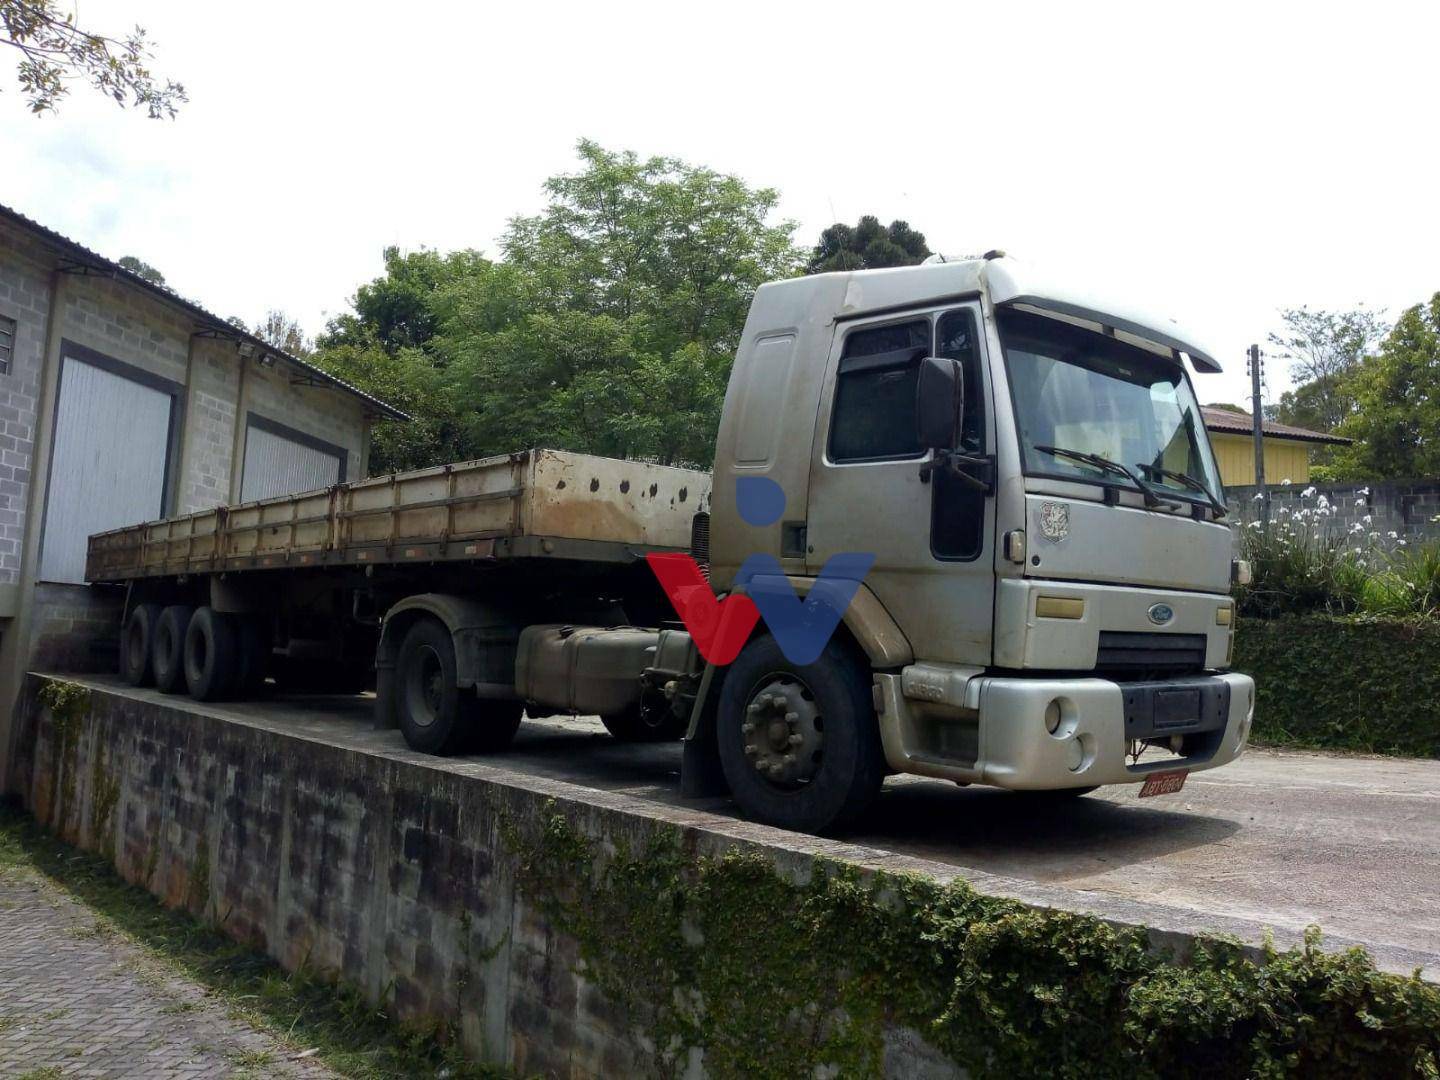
(533, 503)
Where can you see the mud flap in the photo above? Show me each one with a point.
(700, 773)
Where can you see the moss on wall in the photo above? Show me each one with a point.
(777, 979)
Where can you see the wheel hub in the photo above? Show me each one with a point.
(783, 732)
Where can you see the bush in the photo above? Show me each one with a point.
(1300, 565)
(1361, 683)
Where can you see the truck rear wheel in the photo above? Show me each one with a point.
(212, 655)
(799, 743)
(168, 655)
(436, 716)
(137, 661)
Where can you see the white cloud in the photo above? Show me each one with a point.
(1217, 162)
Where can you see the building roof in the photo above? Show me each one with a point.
(1239, 423)
(83, 258)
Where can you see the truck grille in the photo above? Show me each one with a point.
(1128, 652)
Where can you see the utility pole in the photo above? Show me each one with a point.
(1258, 431)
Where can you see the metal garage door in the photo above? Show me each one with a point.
(112, 441)
(279, 461)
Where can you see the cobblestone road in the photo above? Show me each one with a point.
(78, 1000)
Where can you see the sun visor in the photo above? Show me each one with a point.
(1010, 286)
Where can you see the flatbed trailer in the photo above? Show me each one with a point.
(531, 505)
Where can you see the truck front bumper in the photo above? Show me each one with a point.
(1052, 733)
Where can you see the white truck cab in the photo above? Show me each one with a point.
(1049, 604)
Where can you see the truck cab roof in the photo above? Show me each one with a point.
(1004, 281)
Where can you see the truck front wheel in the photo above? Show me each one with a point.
(799, 743)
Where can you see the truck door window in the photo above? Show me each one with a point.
(957, 518)
(874, 414)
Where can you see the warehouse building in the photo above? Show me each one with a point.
(122, 402)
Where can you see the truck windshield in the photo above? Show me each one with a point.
(1076, 389)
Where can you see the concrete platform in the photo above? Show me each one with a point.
(1278, 840)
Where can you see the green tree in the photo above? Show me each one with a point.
(1324, 348)
(867, 245)
(1396, 419)
(55, 52)
(142, 269)
(608, 325)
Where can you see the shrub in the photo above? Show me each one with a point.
(1360, 683)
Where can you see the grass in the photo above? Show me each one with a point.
(348, 1034)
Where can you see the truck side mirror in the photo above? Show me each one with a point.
(939, 402)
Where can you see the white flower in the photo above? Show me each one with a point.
(1357, 527)
(1374, 536)
(1365, 491)
(1393, 535)
(1359, 551)
(1308, 493)
(1285, 482)
(1359, 502)
(1284, 510)
(1359, 562)
(1399, 543)
(1323, 503)
(1259, 496)
(1367, 519)
(1256, 525)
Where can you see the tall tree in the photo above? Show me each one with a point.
(1396, 419)
(55, 52)
(609, 324)
(141, 268)
(1324, 348)
(867, 245)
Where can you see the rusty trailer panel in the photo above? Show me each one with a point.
(485, 509)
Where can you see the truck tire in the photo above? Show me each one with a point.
(491, 724)
(168, 656)
(137, 661)
(634, 727)
(212, 655)
(433, 717)
(799, 744)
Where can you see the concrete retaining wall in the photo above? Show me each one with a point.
(383, 871)
(1408, 508)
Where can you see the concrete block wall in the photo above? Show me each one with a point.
(24, 297)
(327, 414)
(1408, 508)
(382, 870)
(74, 627)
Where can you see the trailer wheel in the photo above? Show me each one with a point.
(799, 743)
(168, 657)
(491, 724)
(137, 663)
(212, 655)
(646, 726)
(428, 702)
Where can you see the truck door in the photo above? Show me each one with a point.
(931, 539)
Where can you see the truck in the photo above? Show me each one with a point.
(1009, 476)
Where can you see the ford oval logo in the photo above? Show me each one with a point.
(1160, 614)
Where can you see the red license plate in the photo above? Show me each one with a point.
(1163, 783)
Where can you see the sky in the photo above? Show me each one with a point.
(1214, 162)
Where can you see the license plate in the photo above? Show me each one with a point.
(1163, 783)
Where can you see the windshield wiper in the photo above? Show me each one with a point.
(1188, 481)
(1152, 497)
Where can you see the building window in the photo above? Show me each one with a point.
(7, 343)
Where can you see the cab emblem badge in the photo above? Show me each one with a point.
(1160, 614)
(1054, 521)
